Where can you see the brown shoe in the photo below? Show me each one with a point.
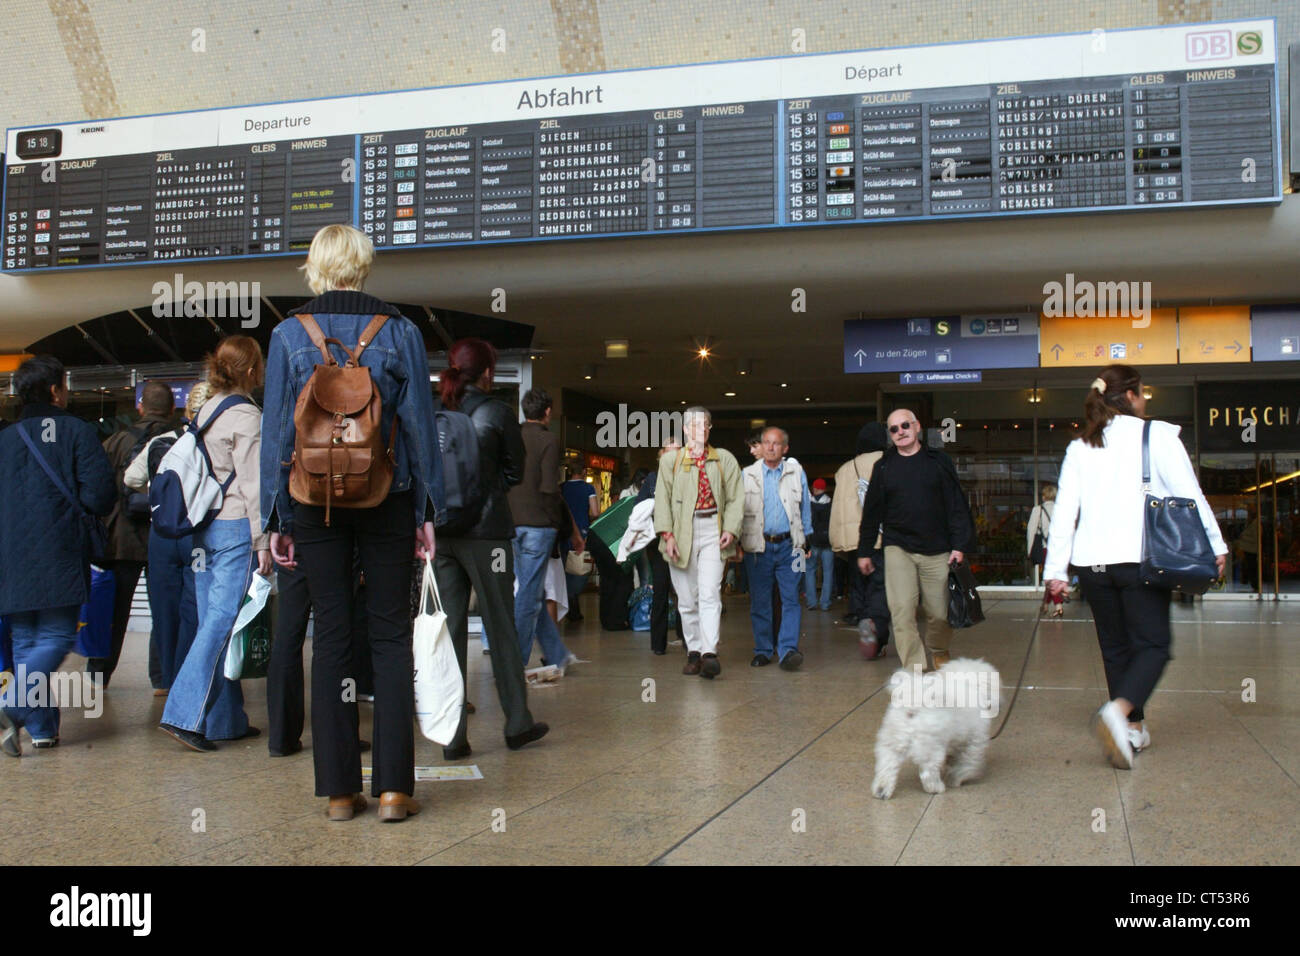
(692, 663)
(940, 658)
(394, 806)
(346, 806)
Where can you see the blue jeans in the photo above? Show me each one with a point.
(826, 558)
(777, 560)
(201, 698)
(532, 553)
(41, 640)
(173, 604)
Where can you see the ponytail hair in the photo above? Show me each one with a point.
(467, 360)
(1108, 397)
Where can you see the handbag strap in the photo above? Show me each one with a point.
(1146, 455)
(429, 588)
(50, 472)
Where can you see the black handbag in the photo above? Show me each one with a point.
(1176, 552)
(964, 606)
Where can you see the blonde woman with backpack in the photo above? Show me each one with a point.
(380, 357)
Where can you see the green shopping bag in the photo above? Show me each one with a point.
(610, 525)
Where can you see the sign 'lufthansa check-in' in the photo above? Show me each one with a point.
(941, 343)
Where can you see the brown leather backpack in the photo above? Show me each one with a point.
(339, 457)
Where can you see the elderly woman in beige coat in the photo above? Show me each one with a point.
(699, 503)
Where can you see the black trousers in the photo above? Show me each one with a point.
(126, 576)
(662, 582)
(1133, 629)
(384, 537)
(487, 566)
(285, 700)
(866, 594)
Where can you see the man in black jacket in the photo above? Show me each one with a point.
(916, 499)
(44, 541)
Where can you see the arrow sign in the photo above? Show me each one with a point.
(1058, 349)
(1235, 348)
(860, 355)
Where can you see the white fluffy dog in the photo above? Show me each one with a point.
(941, 717)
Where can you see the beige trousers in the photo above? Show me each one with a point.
(909, 579)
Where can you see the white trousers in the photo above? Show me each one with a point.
(699, 587)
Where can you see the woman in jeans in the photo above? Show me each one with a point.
(1101, 487)
(202, 705)
(475, 550)
(385, 536)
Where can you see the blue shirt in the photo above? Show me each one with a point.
(775, 520)
(577, 493)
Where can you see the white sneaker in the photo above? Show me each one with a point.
(1139, 739)
(1111, 729)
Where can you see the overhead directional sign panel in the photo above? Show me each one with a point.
(941, 343)
(1078, 341)
(1214, 334)
(1275, 333)
(1169, 116)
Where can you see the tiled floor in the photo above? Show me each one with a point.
(758, 766)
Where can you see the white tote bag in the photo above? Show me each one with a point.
(258, 592)
(439, 688)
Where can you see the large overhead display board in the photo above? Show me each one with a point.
(1108, 120)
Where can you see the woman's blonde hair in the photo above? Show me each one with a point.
(1048, 491)
(199, 394)
(339, 258)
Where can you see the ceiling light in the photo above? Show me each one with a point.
(824, 422)
(729, 394)
(745, 366)
(807, 399)
(616, 348)
(702, 351)
(784, 385)
(589, 372)
(1146, 391)
(647, 388)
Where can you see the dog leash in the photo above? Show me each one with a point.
(1033, 635)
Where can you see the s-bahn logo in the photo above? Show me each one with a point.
(1249, 42)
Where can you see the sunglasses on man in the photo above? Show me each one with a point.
(901, 426)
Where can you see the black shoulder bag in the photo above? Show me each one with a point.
(1176, 552)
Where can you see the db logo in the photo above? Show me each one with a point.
(1209, 45)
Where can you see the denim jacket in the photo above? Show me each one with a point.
(400, 367)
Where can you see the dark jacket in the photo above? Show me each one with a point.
(44, 548)
(501, 466)
(399, 366)
(536, 501)
(128, 538)
(821, 522)
(961, 525)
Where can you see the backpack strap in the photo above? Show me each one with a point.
(312, 328)
(230, 401)
(368, 336)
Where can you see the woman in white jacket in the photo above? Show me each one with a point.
(1101, 486)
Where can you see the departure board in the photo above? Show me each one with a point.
(1167, 116)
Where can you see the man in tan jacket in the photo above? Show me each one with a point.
(699, 503)
(868, 607)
